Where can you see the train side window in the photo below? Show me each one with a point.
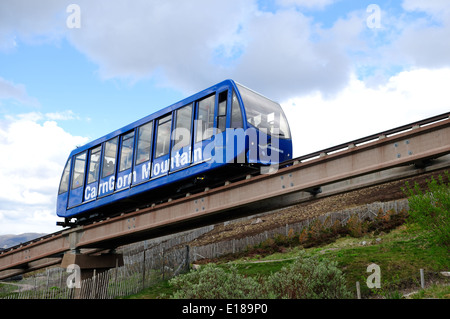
(64, 185)
(144, 143)
(126, 152)
(205, 118)
(78, 171)
(94, 165)
(222, 111)
(182, 131)
(236, 115)
(109, 158)
(163, 136)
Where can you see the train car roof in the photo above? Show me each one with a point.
(156, 115)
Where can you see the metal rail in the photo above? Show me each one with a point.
(415, 143)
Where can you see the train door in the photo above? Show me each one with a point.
(77, 181)
(107, 179)
(182, 139)
(161, 154)
(204, 129)
(143, 153)
(125, 174)
(91, 190)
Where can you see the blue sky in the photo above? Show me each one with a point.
(341, 70)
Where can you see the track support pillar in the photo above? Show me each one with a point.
(88, 280)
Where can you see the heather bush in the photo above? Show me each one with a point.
(315, 233)
(385, 221)
(212, 282)
(356, 227)
(307, 278)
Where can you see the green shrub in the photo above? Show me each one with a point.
(212, 282)
(308, 278)
(430, 209)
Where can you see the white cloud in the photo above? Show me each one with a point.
(176, 40)
(34, 151)
(438, 8)
(358, 110)
(31, 22)
(423, 42)
(282, 60)
(62, 116)
(316, 4)
(415, 36)
(17, 92)
(192, 44)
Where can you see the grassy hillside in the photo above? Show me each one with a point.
(400, 253)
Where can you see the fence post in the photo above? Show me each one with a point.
(163, 261)
(422, 279)
(187, 258)
(358, 290)
(48, 278)
(114, 294)
(35, 286)
(94, 284)
(143, 270)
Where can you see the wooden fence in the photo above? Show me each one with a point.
(140, 271)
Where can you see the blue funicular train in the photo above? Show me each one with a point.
(220, 133)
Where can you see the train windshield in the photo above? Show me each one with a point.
(264, 114)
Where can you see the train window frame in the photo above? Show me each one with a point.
(127, 144)
(110, 170)
(65, 178)
(144, 145)
(236, 119)
(79, 170)
(205, 129)
(164, 123)
(93, 172)
(221, 118)
(178, 132)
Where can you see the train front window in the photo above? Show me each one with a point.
(264, 114)
(236, 115)
(64, 185)
(78, 171)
